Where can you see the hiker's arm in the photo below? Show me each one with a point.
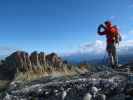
(99, 30)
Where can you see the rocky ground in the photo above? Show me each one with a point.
(104, 85)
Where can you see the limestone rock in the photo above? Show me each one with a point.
(42, 58)
(34, 58)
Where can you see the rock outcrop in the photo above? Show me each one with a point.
(34, 58)
(21, 61)
(42, 58)
(54, 60)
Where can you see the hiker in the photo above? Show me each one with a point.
(113, 38)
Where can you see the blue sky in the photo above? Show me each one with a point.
(59, 25)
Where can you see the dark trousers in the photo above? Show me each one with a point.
(112, 54)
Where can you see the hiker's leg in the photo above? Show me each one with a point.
(110, 57)
(115, 57)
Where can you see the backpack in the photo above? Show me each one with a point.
(114, 34)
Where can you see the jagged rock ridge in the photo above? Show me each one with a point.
(22, 61)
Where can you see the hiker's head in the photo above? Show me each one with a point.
(108, 23)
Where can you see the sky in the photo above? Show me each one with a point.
(59, 25)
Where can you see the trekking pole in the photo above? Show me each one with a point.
(117, 55)
(119, 39)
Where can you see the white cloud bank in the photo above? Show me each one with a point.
(99, 47)
(130, 32)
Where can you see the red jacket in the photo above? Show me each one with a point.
(111, 33)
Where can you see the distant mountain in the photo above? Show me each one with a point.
(97, 59)
(79, 57)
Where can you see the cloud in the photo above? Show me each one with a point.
(96, 47)
(99, 48)
(130, 32)
(126, 47)
(125, 36)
